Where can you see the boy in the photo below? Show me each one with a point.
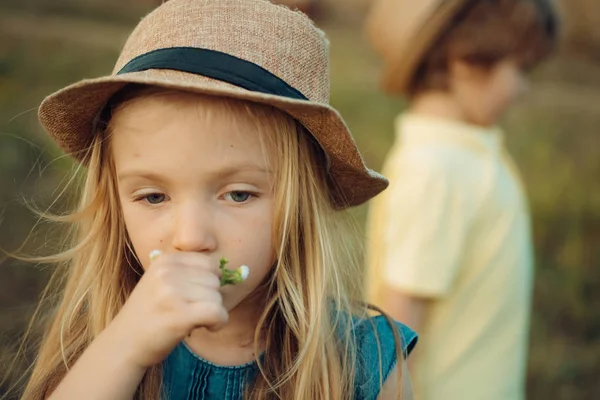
(450, 250)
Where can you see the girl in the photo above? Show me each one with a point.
(213, 138)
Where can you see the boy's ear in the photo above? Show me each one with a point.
(462, 71)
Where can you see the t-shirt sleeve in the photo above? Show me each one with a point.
(427, 223)
(377, 353)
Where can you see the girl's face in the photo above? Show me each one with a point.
(193, 176)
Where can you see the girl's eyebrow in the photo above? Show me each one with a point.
(222, 173)
(140, 174)
(232, 170)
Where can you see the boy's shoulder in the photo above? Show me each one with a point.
(377, 353)
(438, 151)
(432, 166)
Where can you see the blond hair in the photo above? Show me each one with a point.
(312, 293)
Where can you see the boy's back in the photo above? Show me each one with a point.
(454, 227)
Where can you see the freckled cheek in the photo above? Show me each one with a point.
(146, 233)
(254, 246)
(257, 240)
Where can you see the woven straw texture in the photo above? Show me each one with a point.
(284, 42)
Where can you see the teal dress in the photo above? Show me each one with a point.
(189, 377)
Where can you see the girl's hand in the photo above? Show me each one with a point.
(178, 293)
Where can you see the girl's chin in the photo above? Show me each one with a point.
(231, 299)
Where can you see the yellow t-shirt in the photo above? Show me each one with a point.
(454, 227)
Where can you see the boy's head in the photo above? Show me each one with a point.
(475, 50)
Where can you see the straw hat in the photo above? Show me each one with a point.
(403, 31)
(243, 49)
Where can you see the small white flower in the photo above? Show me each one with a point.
(154, 254)
(244, 272)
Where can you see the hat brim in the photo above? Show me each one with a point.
(69, 116)
(399, 72)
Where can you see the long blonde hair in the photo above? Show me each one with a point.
(312, 293)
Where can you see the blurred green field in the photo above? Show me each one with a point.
(554, 136)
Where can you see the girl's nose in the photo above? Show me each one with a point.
(194, 228)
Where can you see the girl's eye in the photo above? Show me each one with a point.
(238, 196)
(154, 198)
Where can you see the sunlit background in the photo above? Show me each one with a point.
(554, 136)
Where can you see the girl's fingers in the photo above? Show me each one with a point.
(208, 280)
(193, 293)
(210, 315)
(194, 260)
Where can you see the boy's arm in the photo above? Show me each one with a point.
(428, 214)
(411, 310)
(391, 387)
